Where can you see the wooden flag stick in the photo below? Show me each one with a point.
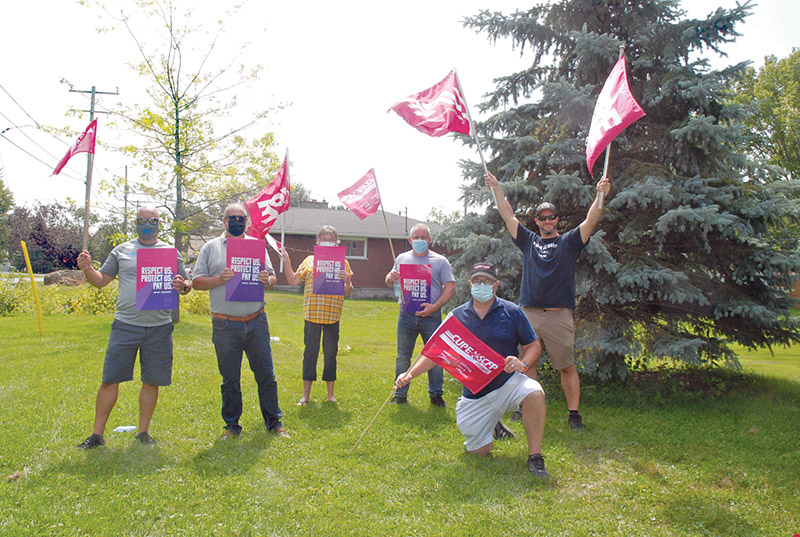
(368, 427)
(388, 233)
(605, 172)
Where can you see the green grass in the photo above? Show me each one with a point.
(655, 459)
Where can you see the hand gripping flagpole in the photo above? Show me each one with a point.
(474, 134)
(608, 147)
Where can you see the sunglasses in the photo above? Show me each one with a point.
(547, 217)
(143, 221)
(236, 218)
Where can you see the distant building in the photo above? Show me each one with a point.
(366, 241)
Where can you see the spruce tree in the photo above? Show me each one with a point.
(684, 261)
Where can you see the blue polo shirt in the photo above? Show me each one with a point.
(504, 328)
(548, 268)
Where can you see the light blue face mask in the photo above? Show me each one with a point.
(419, 246)
(327, 243)
(482, 292)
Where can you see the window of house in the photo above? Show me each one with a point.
(356, 248)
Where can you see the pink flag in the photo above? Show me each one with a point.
(362, 198)
(471, 361)
(437, 110)
(84, 144)
(615, 110)
(269, 203)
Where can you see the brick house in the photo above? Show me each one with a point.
(366, 241)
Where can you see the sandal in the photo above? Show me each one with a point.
(302, 402)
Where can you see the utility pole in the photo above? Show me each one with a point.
(125, 210)
(90, 159)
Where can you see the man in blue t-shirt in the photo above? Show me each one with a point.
(502, 325)
(547, 293)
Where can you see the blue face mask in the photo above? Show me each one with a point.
(482, 292)
(147, 231)
(419, 246)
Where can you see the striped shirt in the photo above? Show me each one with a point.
(320, 309)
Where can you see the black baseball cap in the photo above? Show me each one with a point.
(546, 206)
(483, 268)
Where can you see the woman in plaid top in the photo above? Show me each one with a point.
(321, 314)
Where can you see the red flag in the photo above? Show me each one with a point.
(362, 198)
(269, 203)
(471, 361)
(84, 144)
(615, 110)
(437, 110)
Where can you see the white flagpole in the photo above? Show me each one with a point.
(89, 167)
(283, 214)
(608, 147)
(474, 134)
(388, 235)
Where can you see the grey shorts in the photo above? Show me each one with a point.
(154, 345)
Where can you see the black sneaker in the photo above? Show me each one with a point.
(516, 416)
(501, 431)
(92, 441)
(536, 466)
(145, 438)
(398, 400)
(575, 421)
(437, 400)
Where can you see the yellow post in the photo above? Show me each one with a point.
(33, 285)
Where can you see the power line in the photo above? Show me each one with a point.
(20, 106)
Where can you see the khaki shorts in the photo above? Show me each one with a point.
(556, 331)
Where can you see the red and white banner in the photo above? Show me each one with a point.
(362, 198)
(84, 144)
(615, 110)
(269, 203)
(437, 110)
(274, 244)
(471, 361)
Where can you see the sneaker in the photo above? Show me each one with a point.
(516, 416)
(501, 431)
(398, 400)
(145, 438)
(536, 466)
(575, 421)
(437, 400)
(281, 432)
(92, 441)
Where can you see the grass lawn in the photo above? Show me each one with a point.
(655, 459)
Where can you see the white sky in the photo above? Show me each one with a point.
(340, 65)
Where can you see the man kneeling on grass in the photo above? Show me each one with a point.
(502, 325)
(147, 331)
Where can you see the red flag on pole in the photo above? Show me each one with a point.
(615, 110)
(273, 200)
(437, 110)
(471, 361)
(362, 198)
(84, 144)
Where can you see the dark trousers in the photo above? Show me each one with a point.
(330, 348)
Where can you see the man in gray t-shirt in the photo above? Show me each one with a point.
(146, 332)
(239, 327)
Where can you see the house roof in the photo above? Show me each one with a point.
(308, 221)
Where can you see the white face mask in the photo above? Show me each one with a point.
(327, 243)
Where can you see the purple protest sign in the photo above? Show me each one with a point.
(246, 258)
(328, 261)
(416, 286)
(155, 270)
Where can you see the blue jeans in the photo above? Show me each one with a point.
(409, 326)
(230, 339)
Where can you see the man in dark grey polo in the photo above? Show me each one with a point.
(238, 327)
(148, 332)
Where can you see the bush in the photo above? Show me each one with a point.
(195, 302)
